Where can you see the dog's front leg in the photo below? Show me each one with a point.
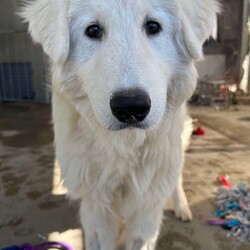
(143, 228)
(100, 226)
(181, 207)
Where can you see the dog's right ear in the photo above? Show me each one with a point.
(48, 26)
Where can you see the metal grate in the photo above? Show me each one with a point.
(16, 82)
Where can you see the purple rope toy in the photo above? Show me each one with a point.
(42, 246)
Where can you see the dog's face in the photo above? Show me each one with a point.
(132, 60)
(124, 55)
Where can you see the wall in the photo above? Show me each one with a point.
(16, 46)
(212, 67)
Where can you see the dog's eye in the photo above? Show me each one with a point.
(94, 32)
(153, 28)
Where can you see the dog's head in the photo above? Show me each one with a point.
(132, 60)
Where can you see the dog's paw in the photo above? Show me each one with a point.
(184, 214)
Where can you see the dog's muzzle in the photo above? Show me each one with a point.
(130, 106)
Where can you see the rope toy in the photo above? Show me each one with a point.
(42, 246)
(233, 211)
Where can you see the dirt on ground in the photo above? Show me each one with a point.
(33, 205)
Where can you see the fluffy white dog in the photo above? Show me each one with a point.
(122, 71)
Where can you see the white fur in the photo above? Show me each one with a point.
(121, 174)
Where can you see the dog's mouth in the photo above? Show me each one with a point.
(131, 125)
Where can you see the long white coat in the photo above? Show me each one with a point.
(121, 174)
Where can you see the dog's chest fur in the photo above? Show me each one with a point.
(111, 166)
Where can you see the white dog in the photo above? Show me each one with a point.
(122, 71)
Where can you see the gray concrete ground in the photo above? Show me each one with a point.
(33, 205)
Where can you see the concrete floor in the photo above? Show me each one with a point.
(33, 205)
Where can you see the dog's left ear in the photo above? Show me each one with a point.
(197, 23)
(48, 26)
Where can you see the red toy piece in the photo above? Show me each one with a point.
(223, 181)
(199, 131)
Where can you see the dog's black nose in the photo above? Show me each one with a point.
(130, 106)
